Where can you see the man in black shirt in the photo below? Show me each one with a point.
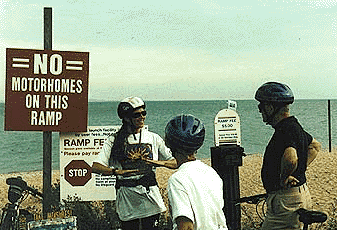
(289, 152)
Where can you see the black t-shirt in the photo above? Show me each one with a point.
(288, 133)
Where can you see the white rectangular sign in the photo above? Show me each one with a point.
(227, 128)
(77, 153)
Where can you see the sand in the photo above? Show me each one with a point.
(321, 175)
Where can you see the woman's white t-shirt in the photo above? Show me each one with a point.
(138, 202)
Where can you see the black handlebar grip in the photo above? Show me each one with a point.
(251, 199)
(34, 192)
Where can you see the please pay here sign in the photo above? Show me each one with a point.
(78, 150)
(46, 90)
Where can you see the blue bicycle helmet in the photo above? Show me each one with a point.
(184, 133)
(274, 92)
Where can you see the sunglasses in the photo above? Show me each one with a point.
(137, 115)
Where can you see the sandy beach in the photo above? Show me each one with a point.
(321, 177)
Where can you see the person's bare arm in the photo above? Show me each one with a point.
(289, 162)
(102, 169)
(184, 223)
(171, 164)
(313, 150)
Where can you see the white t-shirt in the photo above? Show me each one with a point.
(196, 192)
(137, 202)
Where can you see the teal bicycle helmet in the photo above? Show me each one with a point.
(185, 133)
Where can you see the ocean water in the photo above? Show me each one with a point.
(22, 151)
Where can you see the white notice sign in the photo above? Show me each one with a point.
(227, 128)
(77, 153)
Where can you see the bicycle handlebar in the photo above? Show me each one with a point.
(34, 192)
(251, 199)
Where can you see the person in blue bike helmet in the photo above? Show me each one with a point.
(195, 190)
(286, 158)
(276, 94)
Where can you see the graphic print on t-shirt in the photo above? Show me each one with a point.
(146, 150)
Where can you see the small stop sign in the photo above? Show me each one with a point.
(77, 172)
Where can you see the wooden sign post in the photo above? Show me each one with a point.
(47, 135)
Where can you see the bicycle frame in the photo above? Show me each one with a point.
(260, 204)
(10, 217)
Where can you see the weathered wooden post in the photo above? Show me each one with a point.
(226, 158)
(329, 126)
(47, 135)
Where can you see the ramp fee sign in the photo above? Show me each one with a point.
(227, 128)
(78, 150)
(46, 90)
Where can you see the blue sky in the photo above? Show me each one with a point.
(187, 49)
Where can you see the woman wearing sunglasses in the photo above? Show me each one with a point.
(132, 154)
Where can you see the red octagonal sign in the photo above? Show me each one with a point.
(77, 172)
